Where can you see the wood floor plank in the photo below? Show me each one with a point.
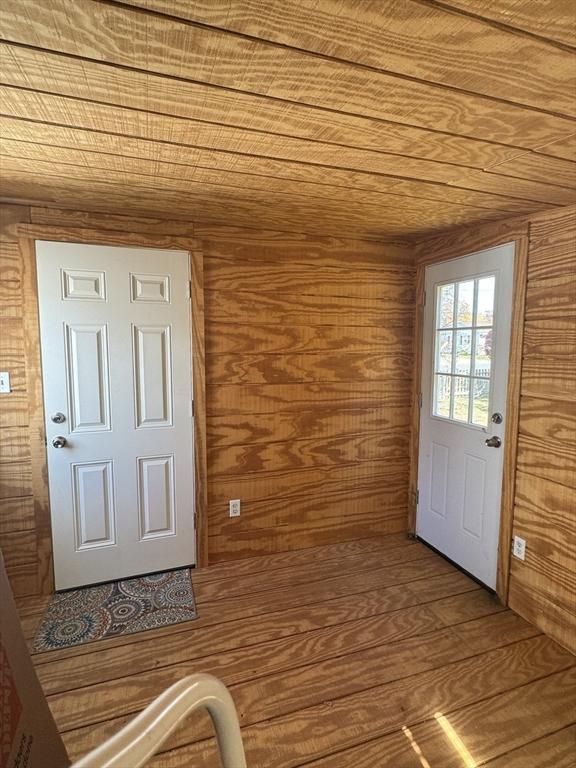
(269, 685)
(553, 751)
(484, 733)
(452, 596)
(335, 656)
(298, 737)
(229, 609)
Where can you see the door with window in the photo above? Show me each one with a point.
(116, 366)
(466, 342)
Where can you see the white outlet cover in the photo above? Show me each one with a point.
(519, 548)
(4, 382)
(234, 507)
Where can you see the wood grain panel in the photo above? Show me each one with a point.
(92, 220)
(297, 278)
(256, 541)
(553, 421)
(487, 729)
(552, 298)
(317, 423)
(375, 712)
(272, 369)
(17, 514)
(356, 36)
(543, 589)
(552, 21)
(225, 338)
(553, 245)
(550, 377)
(297, 454)
(318, 480)
(135, 89)
(13, 405)
(547, 460)
(304, 309)
(18, 548)
(151, 128)
(281, 170)
(290, 398)
(99, 30)
(555, 337)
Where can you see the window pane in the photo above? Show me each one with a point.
(485, 308)
(463, 352)
(443, 351)
(481, 402)
(442, 396)
(446, 306)
(461, 398)
(483, 357)
(465, 302)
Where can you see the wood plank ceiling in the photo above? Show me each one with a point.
(369, 118)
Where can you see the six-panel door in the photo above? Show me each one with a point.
(116, 364)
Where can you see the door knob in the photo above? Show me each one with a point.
(59, 442)
(497, 418)
(493, 442)
(58, 418)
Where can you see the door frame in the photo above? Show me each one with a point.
(446, 248)
(27, 236)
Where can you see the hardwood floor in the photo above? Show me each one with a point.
(375, 652)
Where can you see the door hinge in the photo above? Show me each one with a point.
(417, 496)
(419, 399)
(190, 289)
(424, 299)
(192, 409)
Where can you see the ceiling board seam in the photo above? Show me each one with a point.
(281, 100)
(332, 202)
(286, 161)
(243, 129)
(209, 221)
(326, 57)
(273, 176)
(509, 28)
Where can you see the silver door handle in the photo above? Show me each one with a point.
(59, 442)
(493, 442)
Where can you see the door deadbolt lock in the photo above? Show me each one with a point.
(58, 418)
(59, 442)
(493, 442)
(497, 418)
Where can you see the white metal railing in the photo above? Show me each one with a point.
(138, 741)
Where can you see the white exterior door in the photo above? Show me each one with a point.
(463, 416)
(116, 364)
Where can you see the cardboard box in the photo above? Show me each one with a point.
(28, 735)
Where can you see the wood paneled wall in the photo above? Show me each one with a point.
(308, 368)
(543, 587)
(309, 359)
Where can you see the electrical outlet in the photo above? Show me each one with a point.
(519, 548)
(4, 382)
(234, 507)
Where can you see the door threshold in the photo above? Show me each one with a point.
(456, 565)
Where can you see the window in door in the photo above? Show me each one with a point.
(463, 348)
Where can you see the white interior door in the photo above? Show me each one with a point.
(116, 365)
(463, 415)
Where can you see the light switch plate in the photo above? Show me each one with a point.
(4, 382)
(234, 507)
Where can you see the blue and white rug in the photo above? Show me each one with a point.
(116, 608)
